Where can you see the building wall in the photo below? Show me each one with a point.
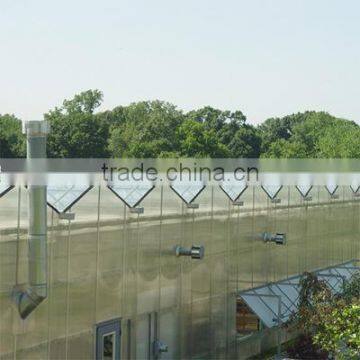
(110, 263)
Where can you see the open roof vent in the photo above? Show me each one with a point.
(331, 188)
(304, 185)
(355, 187)
(5, 184)
(65, 190)
(188, 191)
(233, 189)
(5, 188)
(304, 190)
(271, 191)
(131, 193)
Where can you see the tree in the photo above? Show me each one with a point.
(231, 130)
(310, 135)
(85, 102)
(340, 140)
(197, 141)
(329, 321)
(275, 129)
(146, 129)
(339, 331)
(12, 141)
(245, 143)
(75, 131)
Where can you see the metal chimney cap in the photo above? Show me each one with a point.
(36, 128)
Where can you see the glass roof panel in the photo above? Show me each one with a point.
(304, 189)
(265, 306)
(272, 190)
(64, 190)
(355, 187)
(63, 198)
(131, 192)
(232, 188)
(4, 188)
(188, 191)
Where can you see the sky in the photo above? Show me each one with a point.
(265, 58)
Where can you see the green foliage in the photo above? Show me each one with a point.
(332, 322)
(339, 332)
(85, 102)
(12, 141)
(150, 129)
(351, 289)
(198, 141)
(310, 135)
(75, 131)
(145, 129)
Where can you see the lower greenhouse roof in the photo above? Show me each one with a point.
(274, 303)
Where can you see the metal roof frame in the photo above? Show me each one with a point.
(288, 292)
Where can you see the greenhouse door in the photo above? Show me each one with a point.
(108, 340)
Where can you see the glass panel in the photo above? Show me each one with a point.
(131, 193)
(62, 198)
(188, 190)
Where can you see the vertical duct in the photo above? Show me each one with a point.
(30, 296)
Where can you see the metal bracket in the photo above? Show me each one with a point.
(192, 206)
(67, 216)
(137, 210)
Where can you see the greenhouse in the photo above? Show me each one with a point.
(187, 270)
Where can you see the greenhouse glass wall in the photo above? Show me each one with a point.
(116, 289)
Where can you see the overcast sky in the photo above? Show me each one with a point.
(266, 58)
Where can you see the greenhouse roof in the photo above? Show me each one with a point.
(276, 302)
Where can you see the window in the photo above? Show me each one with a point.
(108, 340)
(108, 346)
(246, 321)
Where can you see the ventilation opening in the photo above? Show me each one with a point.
(247, 322)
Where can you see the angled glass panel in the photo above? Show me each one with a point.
(271, 190)
(332, 280)
(304, 184)
(259, 306)
(331, 184)
(5, 188)
(263, 301)
(288, 306)
(331, 188)
(271, 184)
(232, 188)
(355, 187)
(5, 184)
(290, 291)
(131, 192)
(188, 191)
(304, 189)
(65, 190)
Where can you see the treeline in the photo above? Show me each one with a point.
(150, 129)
